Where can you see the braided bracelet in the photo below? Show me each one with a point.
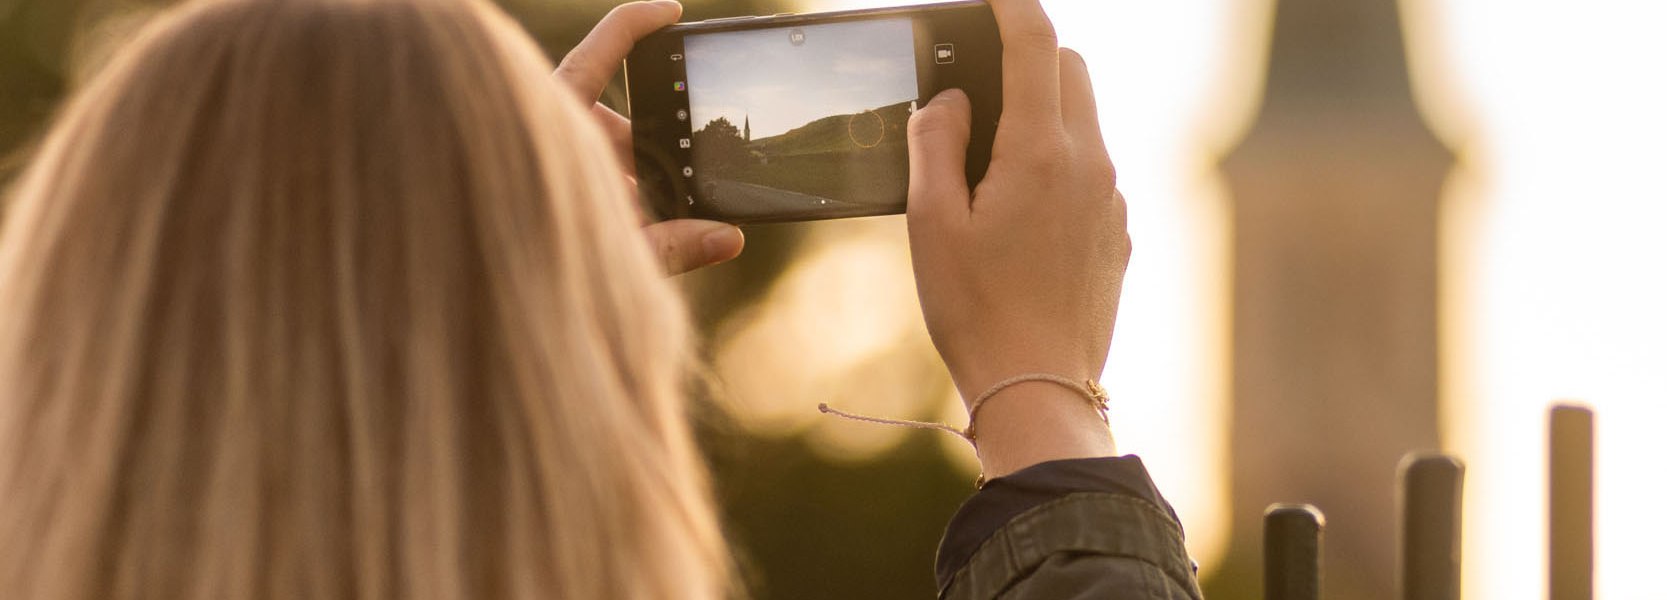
(1088, 388)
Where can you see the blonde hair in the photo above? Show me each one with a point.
(340, 299)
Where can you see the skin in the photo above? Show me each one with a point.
(1021, 275)
(681, 244)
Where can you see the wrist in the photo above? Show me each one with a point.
(974, 381)
(1033, 422)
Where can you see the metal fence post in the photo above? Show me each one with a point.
(1432, 494)
(1570, 506)
(1291, 552)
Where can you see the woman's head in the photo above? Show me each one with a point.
(338, 298)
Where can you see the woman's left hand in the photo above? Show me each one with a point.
(682, 244)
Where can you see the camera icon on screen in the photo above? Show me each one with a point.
(796, 37)
(944, 53)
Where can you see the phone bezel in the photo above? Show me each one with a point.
(653, 104)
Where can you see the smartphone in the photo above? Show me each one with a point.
(798, 117)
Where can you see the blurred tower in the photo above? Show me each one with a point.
(1334, 326)
(746, 128)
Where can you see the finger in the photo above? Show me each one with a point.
(683, 245)
(618, 130)
(1029, 63)
(1120, 216)
(592, 63)
(1077, 106)
(1120, 208)
(638, 209)
(938, 137)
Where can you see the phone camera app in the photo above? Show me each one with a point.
(817, 131)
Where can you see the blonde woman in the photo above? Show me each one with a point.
(340, 299)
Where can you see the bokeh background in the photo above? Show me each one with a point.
(1365, 227)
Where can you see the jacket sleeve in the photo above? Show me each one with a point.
(1089, 528)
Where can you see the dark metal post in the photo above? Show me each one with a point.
(1291, 552)
(1432, 495)
(1570, 489)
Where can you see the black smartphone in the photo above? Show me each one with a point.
(801, 117)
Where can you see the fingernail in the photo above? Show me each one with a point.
(722, 243)
(672, 4)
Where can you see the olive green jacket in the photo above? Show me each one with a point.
(1093, 528)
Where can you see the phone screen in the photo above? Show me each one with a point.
(809, 121)
(803, 117)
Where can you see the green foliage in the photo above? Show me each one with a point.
(809, 529)
(720, 143)
(884, 126)
(856, 158)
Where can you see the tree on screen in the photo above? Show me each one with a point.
(720, 144)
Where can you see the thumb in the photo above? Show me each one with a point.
(938, 137)
(684, 245)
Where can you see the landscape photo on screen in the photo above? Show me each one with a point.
(807, 120)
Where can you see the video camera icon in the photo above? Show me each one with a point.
(944, 53)
(796, 37)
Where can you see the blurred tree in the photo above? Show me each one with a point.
(809, 529)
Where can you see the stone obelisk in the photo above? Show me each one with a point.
(1335, 192)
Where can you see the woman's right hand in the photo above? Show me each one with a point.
(1023, 274)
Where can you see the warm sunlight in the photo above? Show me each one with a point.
(852, 298)
(1553, 270)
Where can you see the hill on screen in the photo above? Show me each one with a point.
(831, 134)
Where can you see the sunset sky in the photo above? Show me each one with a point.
(841, 68)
